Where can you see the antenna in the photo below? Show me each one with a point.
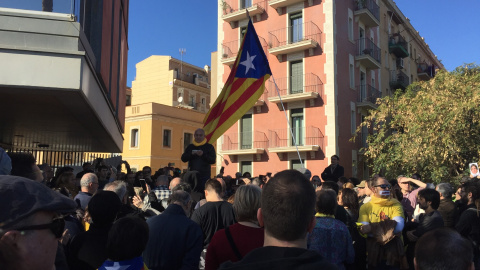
(182, 51)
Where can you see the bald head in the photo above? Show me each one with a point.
(175, 181)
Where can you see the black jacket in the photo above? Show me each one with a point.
(327, 174)
(280, 258)
(200, 163)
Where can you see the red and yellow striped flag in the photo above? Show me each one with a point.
(244, 86)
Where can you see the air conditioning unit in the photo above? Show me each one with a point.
(400, 63)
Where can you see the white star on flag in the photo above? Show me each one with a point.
(117, 266)
(248, 63)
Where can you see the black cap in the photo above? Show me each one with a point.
(21, 197)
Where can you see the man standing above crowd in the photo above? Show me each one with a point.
(287, 213)
(200, 155)
(447, 207)
(334, 171)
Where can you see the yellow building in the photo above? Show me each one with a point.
(169, 101)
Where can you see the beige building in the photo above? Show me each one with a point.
(169, 99)
(169, 81)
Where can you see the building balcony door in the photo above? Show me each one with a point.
(296, 77)
(246, 132)
(296, 31)
(297, 127)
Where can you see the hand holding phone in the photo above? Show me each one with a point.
(143, 184)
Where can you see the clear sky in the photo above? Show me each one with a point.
(162, 27)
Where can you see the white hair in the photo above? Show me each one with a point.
(118, 187)
(87, 179)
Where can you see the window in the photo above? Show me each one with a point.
(128, 100)
(246, 132)
(350, 25)
(411, 54)
(192, 101)
(296, 77)
(353, 121)
(134, 137)
(176, 74)
(352, 76)
(361, 34)
(167, 138)
(203, 101)
(245, 4)
(295, 164)
(363, 86)
(297, 126)
(246, 166)
(187, 139)
(386, 59)
(243, 30)
(296, 33)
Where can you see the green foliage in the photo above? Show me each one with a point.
(432, 128)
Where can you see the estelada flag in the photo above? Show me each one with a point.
(244, 86)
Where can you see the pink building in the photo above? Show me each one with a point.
(330, 60)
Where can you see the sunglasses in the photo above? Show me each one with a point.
(384, 186)
(57, 227)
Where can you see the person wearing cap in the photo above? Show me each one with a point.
(30, 226)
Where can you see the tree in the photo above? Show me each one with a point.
(432, 128)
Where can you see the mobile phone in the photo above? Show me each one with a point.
(171, 164)
(143, 184)
(194, 151)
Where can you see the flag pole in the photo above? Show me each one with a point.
(289, 125)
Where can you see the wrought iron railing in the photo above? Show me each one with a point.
(301, 83)
(304, 136)
(244, 140)
(230, 6)
(230, 49)
(398, 77)
(370, 5)
(368, 93)
(367, 47)
(294, 34)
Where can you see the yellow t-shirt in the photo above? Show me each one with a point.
(379, 209)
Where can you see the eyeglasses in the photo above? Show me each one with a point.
(384, 186)
(57, 227)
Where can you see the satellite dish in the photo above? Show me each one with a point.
(180, 99)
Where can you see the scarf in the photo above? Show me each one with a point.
(200, 143)
(382, 201)
(324, 215)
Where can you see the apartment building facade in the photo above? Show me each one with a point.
(63, 77)
(330, 61)
(169, 99)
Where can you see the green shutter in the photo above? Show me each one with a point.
(246, 132)
(296, 77)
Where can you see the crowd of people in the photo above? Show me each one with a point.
(112, 218)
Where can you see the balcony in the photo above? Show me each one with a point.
(245, 143)
(368, 54)
(398, 79)
(305, 36)
(296, 88)
(236, 10)
(279, 4)
(398, 45)
(261, 101)
(367, 96)
(425, 72)
(367, 12)
(308, 139)
(230, 50)
(192, 81)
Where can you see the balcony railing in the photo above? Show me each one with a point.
(244, 140)
(369, 6)
(235, 10)
(191, 78)
(230, 49)
(368, 53)
(425, 71)
(294, 34)
(296, 84)
(398, 45)
(368, 93)
(398, 79)
(304, 136)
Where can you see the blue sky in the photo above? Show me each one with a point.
(161, 27)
